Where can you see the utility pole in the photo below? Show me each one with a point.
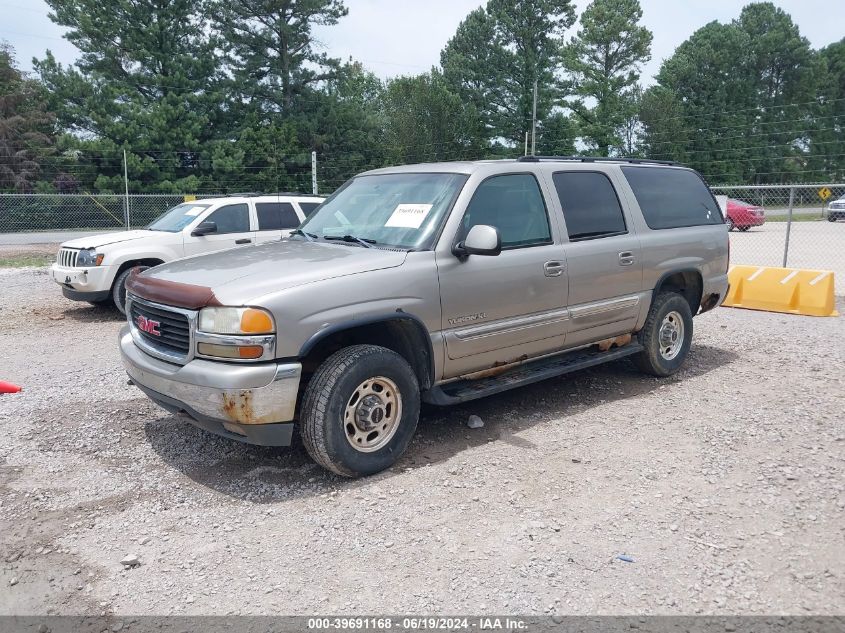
(534, 123)
(126, 185)
(314, 173)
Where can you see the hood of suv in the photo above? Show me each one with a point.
(96, 241)
(242, 275)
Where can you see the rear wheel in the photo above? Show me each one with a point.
(744, 228)
(730, 224)
(360, 410)
(666, 335)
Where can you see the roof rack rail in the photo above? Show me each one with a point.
(244, 194)
(292, 193)
(595, 159)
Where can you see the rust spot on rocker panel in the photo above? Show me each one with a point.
(237, 407)
(499, 367)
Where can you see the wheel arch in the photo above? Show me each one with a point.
(401, 332)
(688, 282)
(135, 261)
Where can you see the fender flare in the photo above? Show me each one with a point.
(399, 315)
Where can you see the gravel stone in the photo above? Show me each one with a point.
(741, 452)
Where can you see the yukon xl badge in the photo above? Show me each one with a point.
(148, 325)
(468, 318)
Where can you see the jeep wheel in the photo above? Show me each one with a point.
(360, 410)
(118, 288)
(730, 224)
(666, 335)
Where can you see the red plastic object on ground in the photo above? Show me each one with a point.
(7, 387)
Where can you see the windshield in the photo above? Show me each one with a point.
(402, 210)
(178, 217)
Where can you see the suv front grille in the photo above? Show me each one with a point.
(67, 257)
(174, 330)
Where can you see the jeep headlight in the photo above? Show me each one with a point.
(89, 257)
(236, 321)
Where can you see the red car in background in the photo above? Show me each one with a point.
(743, 216)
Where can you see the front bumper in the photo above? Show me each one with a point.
(83, 284)
(249, 403)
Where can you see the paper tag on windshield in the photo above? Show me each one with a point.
(408, 216)
(194, 210)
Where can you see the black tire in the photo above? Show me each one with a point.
(118, 288)
(324, 431)
(831, 218)
(730, 224)
(744, 228)
(651, 360)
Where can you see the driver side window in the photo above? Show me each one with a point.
(233, 218)
(514, 205)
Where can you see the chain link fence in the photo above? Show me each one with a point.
(81, 212)
(796, 226)
(772, 225)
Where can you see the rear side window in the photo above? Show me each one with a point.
(276, 215)
(308, 207)
(672, 198)
(590, 205)
(233, 218)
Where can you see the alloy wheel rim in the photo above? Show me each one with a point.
(670, 337)
(372, 414)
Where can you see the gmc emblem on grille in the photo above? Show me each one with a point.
(148, 325)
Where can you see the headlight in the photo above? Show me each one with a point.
(89, 257)
(236, 321)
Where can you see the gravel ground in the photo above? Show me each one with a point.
(723, 484)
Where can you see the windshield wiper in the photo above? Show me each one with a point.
(308, 236)
(363, 241)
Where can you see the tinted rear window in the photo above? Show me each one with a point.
(276, 215)
(672, 198)
(590, 206)
(308, 207)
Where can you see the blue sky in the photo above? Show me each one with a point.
(396, 37)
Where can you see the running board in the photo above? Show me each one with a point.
(526, 374)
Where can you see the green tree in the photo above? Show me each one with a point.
(745, 93)
(153, 91)
(499, 52)
(25, 126)
(827, 143)
(604, 59)
(270, 48)
(425, 121)
(703, 104)
(556, 135)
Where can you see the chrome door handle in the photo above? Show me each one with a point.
(553, 269)
(626, 258)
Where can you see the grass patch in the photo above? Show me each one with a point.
(27, 260)
(796, 217)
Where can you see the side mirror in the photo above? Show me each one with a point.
(482, 239)
(204, 228)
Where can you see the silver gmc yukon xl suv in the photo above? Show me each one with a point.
(438, 283)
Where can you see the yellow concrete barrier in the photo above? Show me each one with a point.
(789, 290)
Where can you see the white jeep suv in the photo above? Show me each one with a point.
(95, 268)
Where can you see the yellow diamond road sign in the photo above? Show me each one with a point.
(825, 193)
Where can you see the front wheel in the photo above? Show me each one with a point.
(744, 228)
(666, 335)
(360, 410)
(118, 288)
(730, 224)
